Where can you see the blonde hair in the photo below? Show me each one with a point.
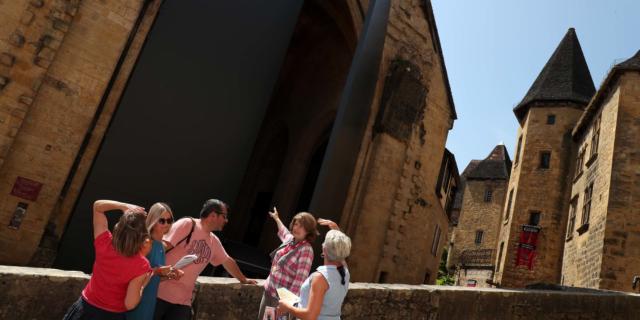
(155, 213)
(337, 245)
(130, 233)
(308, 223)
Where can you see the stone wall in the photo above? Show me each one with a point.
(602, 252)
(583, 250)
(29, 293)
(502, 256)
(463, 277)
(542, 190)
(621, 248)
(393, 212)
(57, 60)
(65, 63)
(477, 214)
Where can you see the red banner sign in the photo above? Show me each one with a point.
(26, 189)
(527, 246)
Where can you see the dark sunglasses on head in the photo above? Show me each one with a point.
(167, 220)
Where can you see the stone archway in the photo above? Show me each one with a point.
(305, 101)
(184, 127)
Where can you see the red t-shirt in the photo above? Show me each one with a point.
(112, 272)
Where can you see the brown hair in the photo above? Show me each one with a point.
(308, 222)
(130, 233)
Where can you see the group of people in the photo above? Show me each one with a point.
(135, 274)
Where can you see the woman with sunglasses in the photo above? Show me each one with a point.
(159, 220)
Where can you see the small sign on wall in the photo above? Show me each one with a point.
(26, 189)
(527, 246)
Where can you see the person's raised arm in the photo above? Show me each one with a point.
(319, 287)
(232, 267)
(328, 223)
(333, 226)
(100, 223)
(283, 233)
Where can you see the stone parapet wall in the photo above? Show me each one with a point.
(32, 293)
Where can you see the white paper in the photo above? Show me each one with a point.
(184, 261)
(287, 295)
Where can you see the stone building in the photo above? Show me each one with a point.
(448, 185)
(568, 215)
(472, 251)
(602, 246)
(340, 107)
(531, 242)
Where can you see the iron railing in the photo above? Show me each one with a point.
(477, 257)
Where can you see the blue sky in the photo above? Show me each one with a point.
(494, 50)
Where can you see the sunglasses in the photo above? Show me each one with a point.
(167, 220)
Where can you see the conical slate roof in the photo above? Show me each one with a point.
(565, 77)
(495, 166)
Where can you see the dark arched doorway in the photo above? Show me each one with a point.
(234, 115)
(313, 170)
(264, 184)
(187, 121)
(305, 100)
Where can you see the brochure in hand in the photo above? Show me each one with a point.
(287, 295)
(186, 260)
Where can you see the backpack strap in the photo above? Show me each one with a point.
(282, 245)
(283, 260)
(188, 237)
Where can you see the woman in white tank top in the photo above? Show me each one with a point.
(322, 294)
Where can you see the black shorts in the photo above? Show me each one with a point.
(81, 310)
(171, 311)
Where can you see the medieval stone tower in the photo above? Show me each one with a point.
(473, 244)
(530, 246)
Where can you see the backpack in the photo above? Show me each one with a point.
(188, 237)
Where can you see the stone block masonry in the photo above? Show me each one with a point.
(56, 58)
(32, 293)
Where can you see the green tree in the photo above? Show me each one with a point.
(444, 277)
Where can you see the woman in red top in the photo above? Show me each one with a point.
(120, 270)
